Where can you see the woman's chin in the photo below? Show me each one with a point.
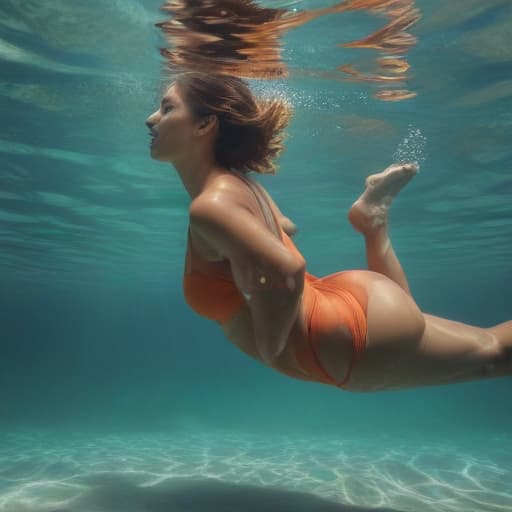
(154, 153)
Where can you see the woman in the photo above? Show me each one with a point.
(358, 329)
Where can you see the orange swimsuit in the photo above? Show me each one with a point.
(210, 291)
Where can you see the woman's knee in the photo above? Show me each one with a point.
(500, 353)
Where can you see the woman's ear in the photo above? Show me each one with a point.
(206, 124)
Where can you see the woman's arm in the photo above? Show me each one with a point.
(270, 276)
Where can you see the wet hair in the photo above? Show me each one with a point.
(251, 130)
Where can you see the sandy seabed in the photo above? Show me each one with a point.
(42, 472)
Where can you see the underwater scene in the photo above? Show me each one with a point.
(115, 395)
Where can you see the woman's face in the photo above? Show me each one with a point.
(171, 127)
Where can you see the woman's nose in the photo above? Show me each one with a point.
(150, 121)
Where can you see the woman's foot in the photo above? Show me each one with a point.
(370, 210)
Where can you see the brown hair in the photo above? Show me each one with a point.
(250, 129)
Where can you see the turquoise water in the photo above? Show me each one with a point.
(115, 396)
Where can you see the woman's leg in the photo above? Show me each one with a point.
(368, 215)
(407, 348)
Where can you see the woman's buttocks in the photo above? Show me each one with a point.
(355, 282)
(335, 308)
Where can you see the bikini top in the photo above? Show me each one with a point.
(208, 286)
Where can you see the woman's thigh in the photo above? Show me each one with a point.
(408, 348)
(395, 327)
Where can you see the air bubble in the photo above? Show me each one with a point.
(412, 147)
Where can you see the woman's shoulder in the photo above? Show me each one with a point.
(230, 192)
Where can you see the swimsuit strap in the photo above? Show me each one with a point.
(264, 205)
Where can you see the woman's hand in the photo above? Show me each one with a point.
(288, 226)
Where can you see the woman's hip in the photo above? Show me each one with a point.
(349, 316)
(334, 311)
